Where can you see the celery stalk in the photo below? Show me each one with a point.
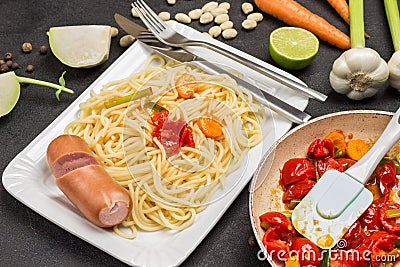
(393, 213)
(393, 17)
(356, 8)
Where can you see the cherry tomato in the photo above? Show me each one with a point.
(308, 253)
(297, 169)
(370, 219)
(274, 218)
(328, 164)
(354, 236)
(277, 240)
(298, 190)
(365, 249)
(386, 174)
(381, 249)
(159, 117)
(345, 162)
(321, 148)
(392, 225)
(342, 258)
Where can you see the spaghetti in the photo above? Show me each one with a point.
(169, 190)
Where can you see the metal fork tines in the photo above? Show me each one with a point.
(165, 34)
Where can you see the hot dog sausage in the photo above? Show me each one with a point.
(85, 182)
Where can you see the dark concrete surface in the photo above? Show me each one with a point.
(27, 239)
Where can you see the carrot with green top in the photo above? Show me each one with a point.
(296, 15)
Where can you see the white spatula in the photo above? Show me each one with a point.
(338, 199)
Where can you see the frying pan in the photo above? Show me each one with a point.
(265, 194)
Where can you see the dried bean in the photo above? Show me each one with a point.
(206, 18)
(165, 16)
(255, 16)
(229, 34)
(249, 24)
(181, 17)
(247, 8)
(195, 13)
(226, 25)
(221, 18)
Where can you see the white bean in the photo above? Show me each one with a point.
(171, 2)
(126, 40)
(206, 34)
(226, 25)
(255, 16)
(229, 33)
(209, 6)
(249, 24)
(206, 18)
(221, 18)
(247, 8)
(134, 13)
(225, 5)
(165, 16)
(218, 11)
(114, 32)
(181, 17)
(214, 31)
(195, 13)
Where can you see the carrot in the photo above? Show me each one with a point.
(342, 8)
(356, 149)
(339, 141)
(186, 85)
(296, 15)
(210, 127)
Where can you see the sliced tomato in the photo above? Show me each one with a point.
(345, 162)
(386, 175)
(274, 218)
(307, 252)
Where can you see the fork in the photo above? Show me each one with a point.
(169, 36)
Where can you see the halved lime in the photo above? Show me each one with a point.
(293, 48)
(82, 46)
(9, 92)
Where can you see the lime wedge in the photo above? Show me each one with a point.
(81, 46)
(293, 48)
(9, 92)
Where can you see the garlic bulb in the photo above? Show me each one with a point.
(359, 73)
(394, 70)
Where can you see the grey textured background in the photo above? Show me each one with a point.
(27, 239)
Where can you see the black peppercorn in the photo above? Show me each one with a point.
(3, 68)
(30, 68)
(2, 62)
(15, 66)
(43, 50)
(9, 63)
(8, 56)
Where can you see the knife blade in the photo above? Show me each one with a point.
(289, 112)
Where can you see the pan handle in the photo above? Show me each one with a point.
(363, 169)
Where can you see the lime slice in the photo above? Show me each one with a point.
(293, 48)
(81, 46)
(9, 92)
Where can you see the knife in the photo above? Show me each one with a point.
(291, 113)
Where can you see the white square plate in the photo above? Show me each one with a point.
(30, 181)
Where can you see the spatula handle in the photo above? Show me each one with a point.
(363, 169)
